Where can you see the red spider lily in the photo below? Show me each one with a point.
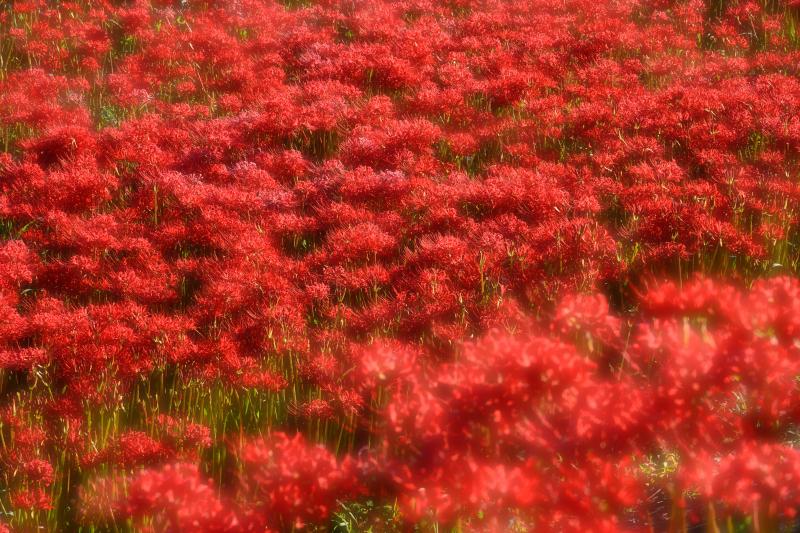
(494, 254)
(180, 499)
(286, 482)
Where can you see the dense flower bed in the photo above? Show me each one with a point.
(454, 265)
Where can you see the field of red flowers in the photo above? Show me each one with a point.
(399, 265)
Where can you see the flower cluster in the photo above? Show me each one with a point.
(581, 421)
(489, 264)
